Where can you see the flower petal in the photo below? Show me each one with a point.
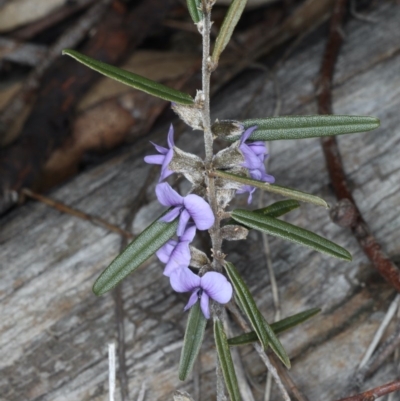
(180, 256)
(249, 189)
(192, 300)
(200, 211)
(167, 196)
(251, 160)
(268, 178)
(154, 159)
(160, 149)
(258, 147)
(165, 171)
(164, 253)
(217, 287)
(184, 280)
(189, 233)
(172, 214)
(183, 220)
(171, 143)
(246, 134)
(205, 305)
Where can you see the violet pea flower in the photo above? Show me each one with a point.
(212, 285)
(186, 207)
(177, 253)
(165, 156)
(254, 155)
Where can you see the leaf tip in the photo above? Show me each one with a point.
(98, 289)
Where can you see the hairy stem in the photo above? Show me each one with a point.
(215, 235)
(208, 139)
(206, 74)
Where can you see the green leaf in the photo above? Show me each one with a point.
(264, 332)
(299, 127)
(192, 341)
(137, 252)
(247, 303)
(278, 209)
(225, 360)
(231, 19)
(277, 327)
(276, 189)
(131, 79)
(280, 228)
(194, 7)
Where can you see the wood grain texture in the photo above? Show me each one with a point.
(54, 331)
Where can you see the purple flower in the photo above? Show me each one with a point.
(190, 206)
(212, 285)
(254, 154)
(177, 253)
(165, 156)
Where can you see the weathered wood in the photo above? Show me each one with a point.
(54, 332)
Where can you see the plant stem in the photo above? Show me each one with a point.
(208, 140)
(214, 231)
(206, 74)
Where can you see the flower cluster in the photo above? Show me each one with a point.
(255, 154)
(193, 213)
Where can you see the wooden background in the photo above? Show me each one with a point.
(54, 332)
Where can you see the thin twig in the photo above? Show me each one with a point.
(342, 189)
(69, 39)
(333, 159)
(61, 207)
(243, 324)
(287, 380)
(375, 393)
(379, 333)
(381, 355)
(142, 392)
(268, 387)
(111, 370)
(271, 368)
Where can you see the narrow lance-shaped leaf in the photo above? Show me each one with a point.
(277, 327)
(276, 189)
(137, 252)
(231, 19)
(194, 7)
(194, 334)
(264, 332)
(247, 303)
(279, 228)
(131, 79)
(225, 360)
(278, 209)
(299, 127)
